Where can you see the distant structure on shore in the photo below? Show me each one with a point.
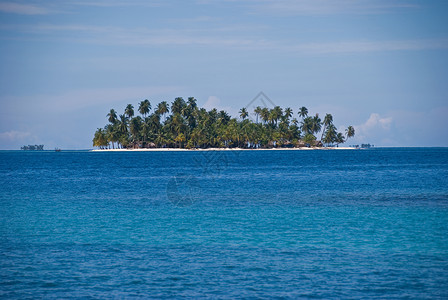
(33, 147)
(363, 146)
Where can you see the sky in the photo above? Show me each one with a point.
(379, 65)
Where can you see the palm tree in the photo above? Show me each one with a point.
(271, 117)
(192, 102)
(178, 105)
(327, 121)
(223, 117)
(111, 134)
(294, 131)
(180, 138)
(307, 125)
(123, 125)
(316, 125)
(349, 132)
(154, 123)
(135, 127)
(309, 139)
(330, 134)
(339, 139)
(160, 140)
(129, 111)
(257, 112)
(264, 114)
(277, 113)
(99, 139)
(178, 124)
(112, 116)
(124, 141)
(288, 113)
(303, 112)
(145, 131)
(243, 113)
(144, 107)
(162, 108)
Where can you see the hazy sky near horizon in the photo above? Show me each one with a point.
(380, 65)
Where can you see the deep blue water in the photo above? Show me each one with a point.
(287, 224)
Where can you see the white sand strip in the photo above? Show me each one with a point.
(221, 149)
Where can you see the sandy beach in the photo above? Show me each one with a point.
(222, 149)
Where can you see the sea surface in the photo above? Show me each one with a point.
(320, 224)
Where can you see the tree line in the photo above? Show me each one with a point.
(33, 147)
(184, 125)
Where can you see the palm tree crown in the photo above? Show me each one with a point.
(328, 120)
(112, 116)
(288, 113)
(162, 108)
(257, 112)
(350, 132)
(316, 124)
(178, 105)
(303, 112)
(192, 102)
(243, 113)
(144, 107)
(129, 111)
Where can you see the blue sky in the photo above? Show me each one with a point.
(380, 65)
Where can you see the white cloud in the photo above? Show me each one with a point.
(212, 102)
(215, 102)
(235, 37)
(14, 135)
(23, 9)
(118, 3)
(369, 46)
(422, 128)
(375, 120)
(288, 7)
(52, 7)
(328, 7)
(376, 128)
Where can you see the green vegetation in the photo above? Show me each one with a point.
(189, 126)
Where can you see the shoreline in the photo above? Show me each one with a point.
(220, 149)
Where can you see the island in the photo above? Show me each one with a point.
(183, 125)
(32, 148)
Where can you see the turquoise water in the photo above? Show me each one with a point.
(287, 224)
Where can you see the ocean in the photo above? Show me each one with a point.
(225, 224)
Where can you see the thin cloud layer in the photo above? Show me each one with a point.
(22, 9)
(227, 37)
(14, 135)
(329, 7)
